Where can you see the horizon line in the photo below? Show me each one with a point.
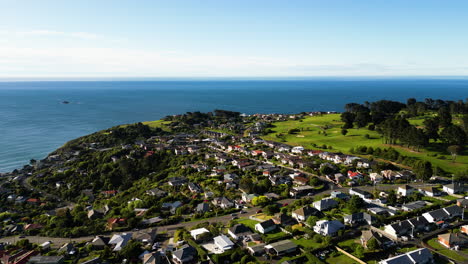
(226, 78)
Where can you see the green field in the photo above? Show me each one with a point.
(445, 251)
(312, 132)
(340, 259)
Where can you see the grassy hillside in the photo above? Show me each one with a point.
(326, 130)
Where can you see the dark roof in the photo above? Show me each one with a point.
(267, 224)
(453, 210)
(185, 252)
(306, 211)
(239, 228)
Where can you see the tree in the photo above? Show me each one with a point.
(131, 251)
(454, 150)
(392, 197)
(314, 181)
(424, 170)
(344, 131)
(355, 204)
(359, 251)
(372, 244)
(271, 209)
(260, 200)
(453, 135)
(445, 118)
(311, 220)
(362, 119)
(431, 128)
(246, 184)
(348, 119)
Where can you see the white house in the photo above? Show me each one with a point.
(453, 188)
(223, 243)
(197, 232)
(328, 228)
(405, 190)
(325, 204)
(297, 150)
(265, 226)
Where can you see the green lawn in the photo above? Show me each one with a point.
(312, 133)
(248, 222)
(449, 197)
(158, 123)
(340, 259)
(306, 243)
(348, 245)
(445, 251)
(276, 235)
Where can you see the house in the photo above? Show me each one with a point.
(453, 188)
(185, 254)
(223, 243)
(281, 248)
(375, 177)
(267, 154)
(46, 260)
(265, 226)
(299, 191)
(429, 191)
(196, 233)
(463, 203)
(443, 214)
(248, 197)
(202, 208)
(418, 256)
(360, 193)
(297, 150)
(413, 206)
(120, 240)
(152, 258)
(299, 180)
(68, 249)
(337, 177)
(303, 213)
(451, 240)
(359, 218)
(32, 226)
(406, 227)
(339, 195)
(464, 229)
(99, 242)
(405, 190)
(146, 236)
(177, 181)
(284, 219)
(256, 249)
(223, 202)
(383, 241)
(279, 179)
(328, 228)
(112, 223)
(239, 231)
(93, 214)
(172, 206)
(354, 175)
(230, 177)
(325, 204)
(195, 188)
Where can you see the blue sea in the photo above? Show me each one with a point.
(34, 122)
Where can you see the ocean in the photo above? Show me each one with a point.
(34, 121)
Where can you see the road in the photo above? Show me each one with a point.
(169, 229)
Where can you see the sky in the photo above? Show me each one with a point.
(222, 38)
